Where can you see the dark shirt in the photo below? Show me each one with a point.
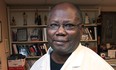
(54, 65)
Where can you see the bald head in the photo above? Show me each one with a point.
(68, 7)
(64, 6)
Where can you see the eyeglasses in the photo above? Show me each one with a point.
(56, 26)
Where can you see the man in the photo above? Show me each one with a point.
(66, 53)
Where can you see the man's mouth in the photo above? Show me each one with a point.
(60, 42)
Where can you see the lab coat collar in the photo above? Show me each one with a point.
(75, 59)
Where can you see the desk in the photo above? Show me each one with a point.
(112, 62)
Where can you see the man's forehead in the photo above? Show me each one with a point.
(64, 6)
(63, 12)
(61, 15)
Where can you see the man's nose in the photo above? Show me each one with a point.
(61, 30)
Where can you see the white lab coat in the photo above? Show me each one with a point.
(82, 58)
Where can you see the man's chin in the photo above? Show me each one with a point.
(63, 52)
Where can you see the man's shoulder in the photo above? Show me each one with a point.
(92, 58)
(45, 57)
(42, 59)
(89, 53)
(88, 50)
(40, 62)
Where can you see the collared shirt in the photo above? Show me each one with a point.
(82, 58)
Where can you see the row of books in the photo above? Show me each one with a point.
(32, 34)
(89, 33)
(29, 49)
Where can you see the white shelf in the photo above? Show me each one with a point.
(29, 10)
(90, 10)
(30, 26)
(27, 42)
(88, 40)
(90, 24)
(33, 57)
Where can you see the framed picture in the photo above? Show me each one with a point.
(108, 34)
(22, 34)
(0, 31)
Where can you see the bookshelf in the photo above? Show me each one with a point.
(89, 36)
(27, 31)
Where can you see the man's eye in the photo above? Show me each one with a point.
(69, 25)
(53, 25)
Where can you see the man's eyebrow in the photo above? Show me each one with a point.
(68, 22)
(54, 21)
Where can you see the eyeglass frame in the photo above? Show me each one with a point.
(66, 26)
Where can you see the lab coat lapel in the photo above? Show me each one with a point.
(75, 60)
(46, 64)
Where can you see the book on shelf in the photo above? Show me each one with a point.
(22, 34)
(23, 50)
(86, 35)
(43, 49)
(92, 32)
(95, 32)
(36, 34)
(89, 33)
(87, 30)
(32, 50)
(15, 48)
(44, 34)
(14, 35)
(29, 50)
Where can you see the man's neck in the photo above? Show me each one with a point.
(58, 58)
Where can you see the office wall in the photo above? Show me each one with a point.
(3, 18)
(108, 8)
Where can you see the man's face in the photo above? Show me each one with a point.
(61, 37)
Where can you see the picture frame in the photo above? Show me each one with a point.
(108, 34)
(22, 34)
(0, 31)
